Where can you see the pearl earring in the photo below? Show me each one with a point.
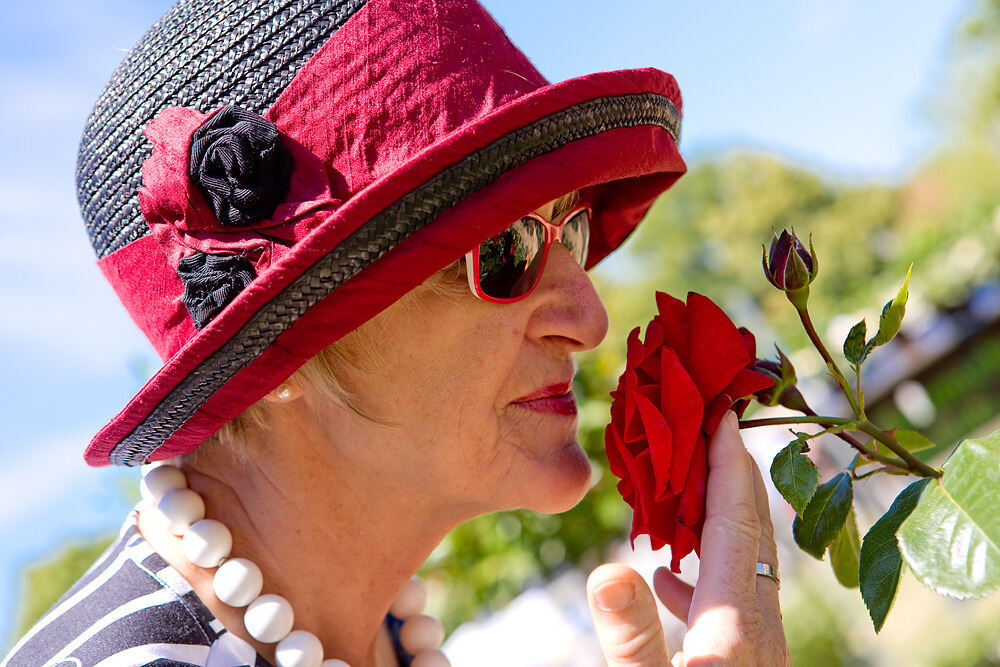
(283, 393)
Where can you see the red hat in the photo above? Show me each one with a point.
(259, 179)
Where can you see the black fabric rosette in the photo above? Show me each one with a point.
(240, 165)
(211, 282)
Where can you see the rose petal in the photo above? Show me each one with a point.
(660, 447)
(714, 413)
(749, 342)
(654, 336)
(661, 522)
(633, 430)
(682, 407)
(692, 501)
(691, 508)
(616, 451)
(747, 383)
(685, 541)
(674, 319)
(716, 349)
(633, 349)
(641, 474)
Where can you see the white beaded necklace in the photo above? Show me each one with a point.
(238, 582)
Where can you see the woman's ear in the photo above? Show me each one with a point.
(284, 392)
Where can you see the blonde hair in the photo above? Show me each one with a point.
(357, 350)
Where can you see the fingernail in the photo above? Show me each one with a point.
(732, 421)
(615, 596)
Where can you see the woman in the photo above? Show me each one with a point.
(357, 233)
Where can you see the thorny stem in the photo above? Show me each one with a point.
(779, 421)
(888, 469)
(825, 421)
(861, 394)
(830, 363)
(846, 437)
(912, 462)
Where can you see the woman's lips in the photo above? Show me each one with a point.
(557, 399)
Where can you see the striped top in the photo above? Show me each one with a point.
(132, 608)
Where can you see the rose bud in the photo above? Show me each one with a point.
(783, 392)
(789, 266)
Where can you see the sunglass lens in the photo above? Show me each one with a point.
(510, 262)
(576, 236)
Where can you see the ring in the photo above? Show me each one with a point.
(769, 571)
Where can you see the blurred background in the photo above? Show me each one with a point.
(875, 127)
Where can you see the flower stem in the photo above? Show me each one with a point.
(825, 421)
(830, 363)
(811, 419)
(917, 466)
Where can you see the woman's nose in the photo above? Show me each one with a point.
(566, 305)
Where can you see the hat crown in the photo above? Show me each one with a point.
(201, 54)
(402, 75)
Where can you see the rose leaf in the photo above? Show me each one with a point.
(912, 440)
(855, 348)
(881, 565)
(824, 516)
(795, 475)
(845, 552)
(951, 541)
(892, 315)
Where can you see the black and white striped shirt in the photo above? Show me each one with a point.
(132, 608)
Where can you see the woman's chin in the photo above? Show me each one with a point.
(561, 481)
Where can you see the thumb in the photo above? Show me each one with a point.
(625, 618)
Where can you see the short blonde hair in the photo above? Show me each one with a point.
(358, 350)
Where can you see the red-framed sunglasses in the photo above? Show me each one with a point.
(506, 267)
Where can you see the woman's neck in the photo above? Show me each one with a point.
(338, 550)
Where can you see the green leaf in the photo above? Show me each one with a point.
(913, 441)
(845, 552)
(854, 346)
(794, 475)
(824, 516)
(952, 539)
(892, 314)
(881, 565)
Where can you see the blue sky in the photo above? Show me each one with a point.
(848, 87)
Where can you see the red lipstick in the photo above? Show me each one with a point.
(556, 398)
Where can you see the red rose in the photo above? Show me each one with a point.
(677, 385)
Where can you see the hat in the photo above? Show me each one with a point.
(260, 178)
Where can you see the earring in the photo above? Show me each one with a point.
(283, 392)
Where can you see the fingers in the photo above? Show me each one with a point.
(673, 593)
(625, 617)
(729, 543)
(767, 552)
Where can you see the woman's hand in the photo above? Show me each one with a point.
(732, 615)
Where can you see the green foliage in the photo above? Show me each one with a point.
(824, 516)
(855, 349)
(45, 583)
(845, 552)
(951, 541)
(892, 314)
(881, 565)
(913, 441)
(795, 475)
(965, 389)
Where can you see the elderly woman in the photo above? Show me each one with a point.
(357, 233)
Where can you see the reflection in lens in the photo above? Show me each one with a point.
(509, 262)
(576, 236)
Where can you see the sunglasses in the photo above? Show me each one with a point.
(506, 267)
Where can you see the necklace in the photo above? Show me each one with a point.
(238, 582)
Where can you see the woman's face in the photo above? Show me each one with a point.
(469, 397)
